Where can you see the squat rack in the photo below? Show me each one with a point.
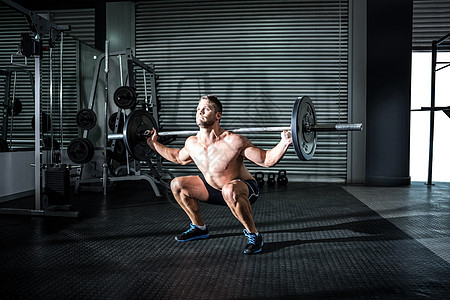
(432, 109)
(150, 104)
(40, 27)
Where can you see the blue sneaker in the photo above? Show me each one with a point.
(193, 233)
(255, 243)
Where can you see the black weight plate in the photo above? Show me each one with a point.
(112, 122)
(303, 113)
(136, 123)
(46, 123)
(86, 119)
(16, 108)
(3, 145)
(80, 150)
(125, 97)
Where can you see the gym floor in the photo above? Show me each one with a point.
(324, 241)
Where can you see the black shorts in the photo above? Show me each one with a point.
(215, 196)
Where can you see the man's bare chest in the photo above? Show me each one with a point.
(217, 156)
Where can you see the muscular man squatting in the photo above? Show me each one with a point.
(219, 155)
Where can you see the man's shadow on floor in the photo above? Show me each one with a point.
(377, 229)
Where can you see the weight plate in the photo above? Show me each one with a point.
(112, 122)
(46, 123)
(136, 123)
(86, 118)
(303, 115)
(80, 150)
(125, 97)
(16, 108)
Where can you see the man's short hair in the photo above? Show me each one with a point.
(216, 102)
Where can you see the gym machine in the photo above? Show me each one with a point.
(32, 46)
(81, 150)
(435, 67)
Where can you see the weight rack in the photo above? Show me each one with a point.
(132, 63)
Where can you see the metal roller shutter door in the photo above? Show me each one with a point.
(12, 24)
(257, 57)
(431, 21)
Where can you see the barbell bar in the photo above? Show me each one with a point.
(304, 130)
(119, 136)
(322, 127)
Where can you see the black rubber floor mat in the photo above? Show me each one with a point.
(319, 242)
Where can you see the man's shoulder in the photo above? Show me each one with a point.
(230, 135)
(236, 138)
(191, 139)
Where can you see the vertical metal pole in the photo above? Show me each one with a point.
(61, 91)
(37, 132)
(145, 89)
(126, 150)
(433, 96)
(4, 132)
(154, 96)
(51, 103)
(120, 70)
(119, 113)
(12, 111)
(131, 74)
(105, 161)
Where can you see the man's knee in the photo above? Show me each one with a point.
(232, 192)
(176, 185)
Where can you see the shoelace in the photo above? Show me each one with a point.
(190, 229)
(251, 237)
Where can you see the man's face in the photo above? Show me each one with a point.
(206, 114)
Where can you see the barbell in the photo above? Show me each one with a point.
(304, 130)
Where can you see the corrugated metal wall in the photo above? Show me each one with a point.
(257, 57)
(12, 24)
(431, 21)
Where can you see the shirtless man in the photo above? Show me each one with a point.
(219, 155)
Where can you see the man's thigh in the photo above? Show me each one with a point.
(235, 187)
(193, 187)
(247, 190)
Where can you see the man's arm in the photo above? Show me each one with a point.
(268, 158)
(178, 156)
